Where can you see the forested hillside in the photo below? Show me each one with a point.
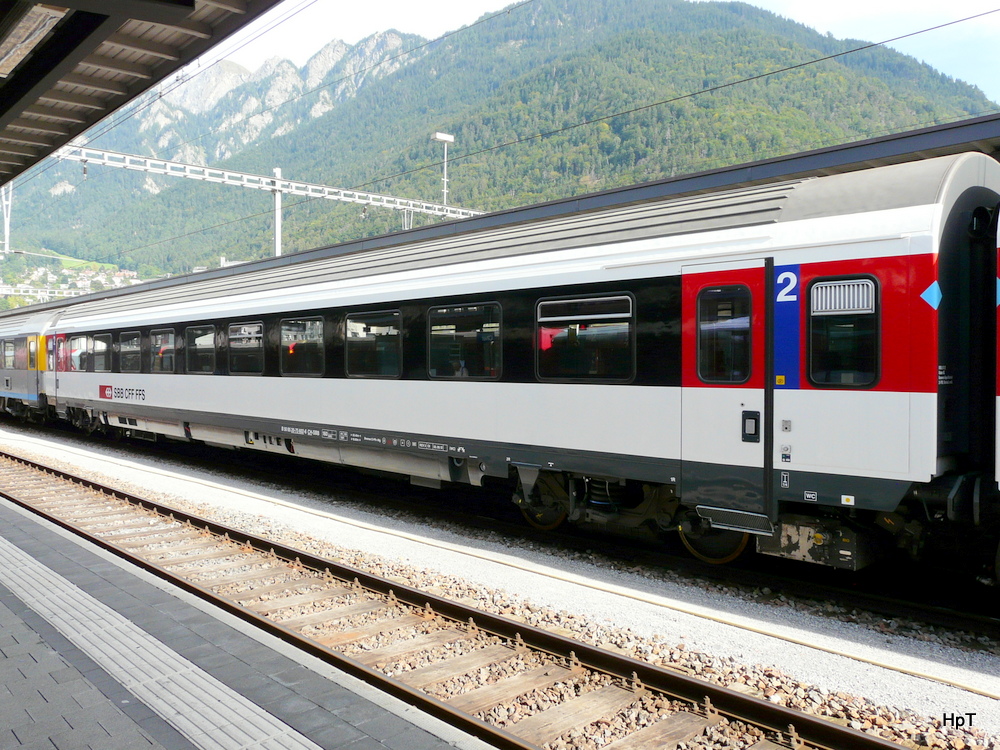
(543, 68)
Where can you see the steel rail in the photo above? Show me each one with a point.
(799, 727)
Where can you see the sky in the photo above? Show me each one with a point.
(969, 51)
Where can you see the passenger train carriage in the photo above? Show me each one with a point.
(808, 365)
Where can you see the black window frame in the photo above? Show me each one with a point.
(398, 315)
(231, 349)
(579, 299)
(194, 353)
(153, 357)
(431, 359)
(122, 353)
(84, 353)
(877, 333)
(108, 340)
(282, 360)
(699, 360)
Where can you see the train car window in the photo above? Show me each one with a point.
(843, 333)
(161, 349)
(724, 334)
(302, 346)
(246, 348)
(8, 355)
(464, 342)
(102, 352)
(129, 352)
(62, 354)
(32, 353)
(21, 354)
(50, 353)
(586, 339)
(79, 353)
(199, 349)
(373, 345)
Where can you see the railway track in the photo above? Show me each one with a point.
(931, 597)
(508, 683)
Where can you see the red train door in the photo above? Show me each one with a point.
(726, 404)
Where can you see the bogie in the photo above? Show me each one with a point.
(803, 378)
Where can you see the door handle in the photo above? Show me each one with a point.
(751, 427)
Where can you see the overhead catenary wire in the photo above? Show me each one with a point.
(583, 123)
(291, 206)
(681, 97)
(181, 80)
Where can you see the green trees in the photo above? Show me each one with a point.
(698, 83)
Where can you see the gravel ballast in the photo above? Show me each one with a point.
(754, 646)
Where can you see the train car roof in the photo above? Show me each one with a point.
(909, 184)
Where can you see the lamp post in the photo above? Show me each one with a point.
(444, 138)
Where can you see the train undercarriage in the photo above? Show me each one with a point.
(849, 540)
(958, 509)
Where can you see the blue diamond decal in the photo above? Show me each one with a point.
(932, 294)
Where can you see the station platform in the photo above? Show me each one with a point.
(96, 653)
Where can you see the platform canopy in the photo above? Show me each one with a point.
(66, 65)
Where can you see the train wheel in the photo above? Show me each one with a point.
(541, 511)
(543, 519)
(716, 546)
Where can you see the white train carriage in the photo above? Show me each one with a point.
(23, 363)
(810, 363)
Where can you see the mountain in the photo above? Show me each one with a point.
(361, 116)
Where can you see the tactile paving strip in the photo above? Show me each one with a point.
(207, 712)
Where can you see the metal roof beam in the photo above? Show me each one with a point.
(16, 136)
(130, 43)
(56, 56)
(114, 65)
(40, 126)
(233, 6)
(96, 84)
(6, 148)
(194, 28)
(140, 10)
(59, 115)
(77, 100)
(149, 40)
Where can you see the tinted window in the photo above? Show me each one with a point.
(32, 354)
(129, 353)
(246, 348)
(302, 347)
(464, 342)
(724, 334)
(585, 339)
(102, 353)
(161, 350)
(62, 354)
(199, 348)
(79, 353)
(843, 333)
(373, 345)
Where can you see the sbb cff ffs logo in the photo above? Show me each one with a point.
(107, 391)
